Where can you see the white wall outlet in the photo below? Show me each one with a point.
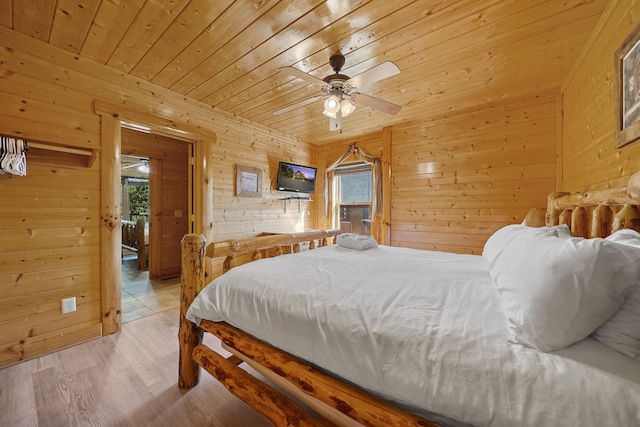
(68, 305)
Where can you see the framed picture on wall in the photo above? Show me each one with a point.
(248, 181)
(627, 99)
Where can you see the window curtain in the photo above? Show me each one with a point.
(360, 154)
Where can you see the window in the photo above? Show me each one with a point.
(353, 185)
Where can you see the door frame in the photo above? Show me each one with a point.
(200, 193)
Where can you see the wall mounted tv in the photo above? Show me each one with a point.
(296, 178)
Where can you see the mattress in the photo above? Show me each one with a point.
(424, 330)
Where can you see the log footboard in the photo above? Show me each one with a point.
(337, 402)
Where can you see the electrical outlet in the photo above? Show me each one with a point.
(68, 305)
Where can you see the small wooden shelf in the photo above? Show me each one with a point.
(68, 156)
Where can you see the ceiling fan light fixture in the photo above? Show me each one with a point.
(332, 104)
(144, 166)
(329, 114)
(346, 107)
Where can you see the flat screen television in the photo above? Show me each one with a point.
(296, 178)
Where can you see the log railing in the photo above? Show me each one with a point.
(133, 238)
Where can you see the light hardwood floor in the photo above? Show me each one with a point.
(125, 379)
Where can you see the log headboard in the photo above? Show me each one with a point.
(595, 213)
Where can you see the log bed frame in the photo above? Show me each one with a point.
(590, 214)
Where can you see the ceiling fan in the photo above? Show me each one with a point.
(140, 163)
(340, 91)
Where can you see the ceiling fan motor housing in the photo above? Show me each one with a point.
(337, 62)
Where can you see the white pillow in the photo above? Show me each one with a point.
(626, 236)
(557, 290)
(498, 240)
(622, 331)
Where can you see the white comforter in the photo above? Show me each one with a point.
(425, 330)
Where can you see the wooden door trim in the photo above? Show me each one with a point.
(200, 208)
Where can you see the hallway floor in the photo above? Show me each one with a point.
(141, 296)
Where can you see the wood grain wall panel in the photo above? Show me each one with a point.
(26, 305)
(53, 213)
(49, 250)
(49, 280)
(505, 158)
(38, 345)
(590, 159)
(455, 179)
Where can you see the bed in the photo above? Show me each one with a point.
(376, 347)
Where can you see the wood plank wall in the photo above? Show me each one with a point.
(49, 250)
(589, 157)
(455, 180)
(169, 222)
(50, 219)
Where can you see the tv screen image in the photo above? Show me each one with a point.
(297, 178)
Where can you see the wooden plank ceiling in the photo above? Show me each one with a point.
(453, 54)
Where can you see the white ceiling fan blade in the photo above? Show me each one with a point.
(302, 75)
(133, 165)
(298, 104)
(376, 103)
(372, 75)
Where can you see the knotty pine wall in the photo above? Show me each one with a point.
(455, 180)
(50, 221)
(589, 157)
(49, 250)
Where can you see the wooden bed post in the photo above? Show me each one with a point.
(192, 282)
(536, 217)
(628, 217)
(553, 213)
(601, 221)
(579, 222)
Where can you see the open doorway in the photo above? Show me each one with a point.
(135, 207)
(154, 210)
(138, 291)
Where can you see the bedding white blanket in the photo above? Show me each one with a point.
(424, 330)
